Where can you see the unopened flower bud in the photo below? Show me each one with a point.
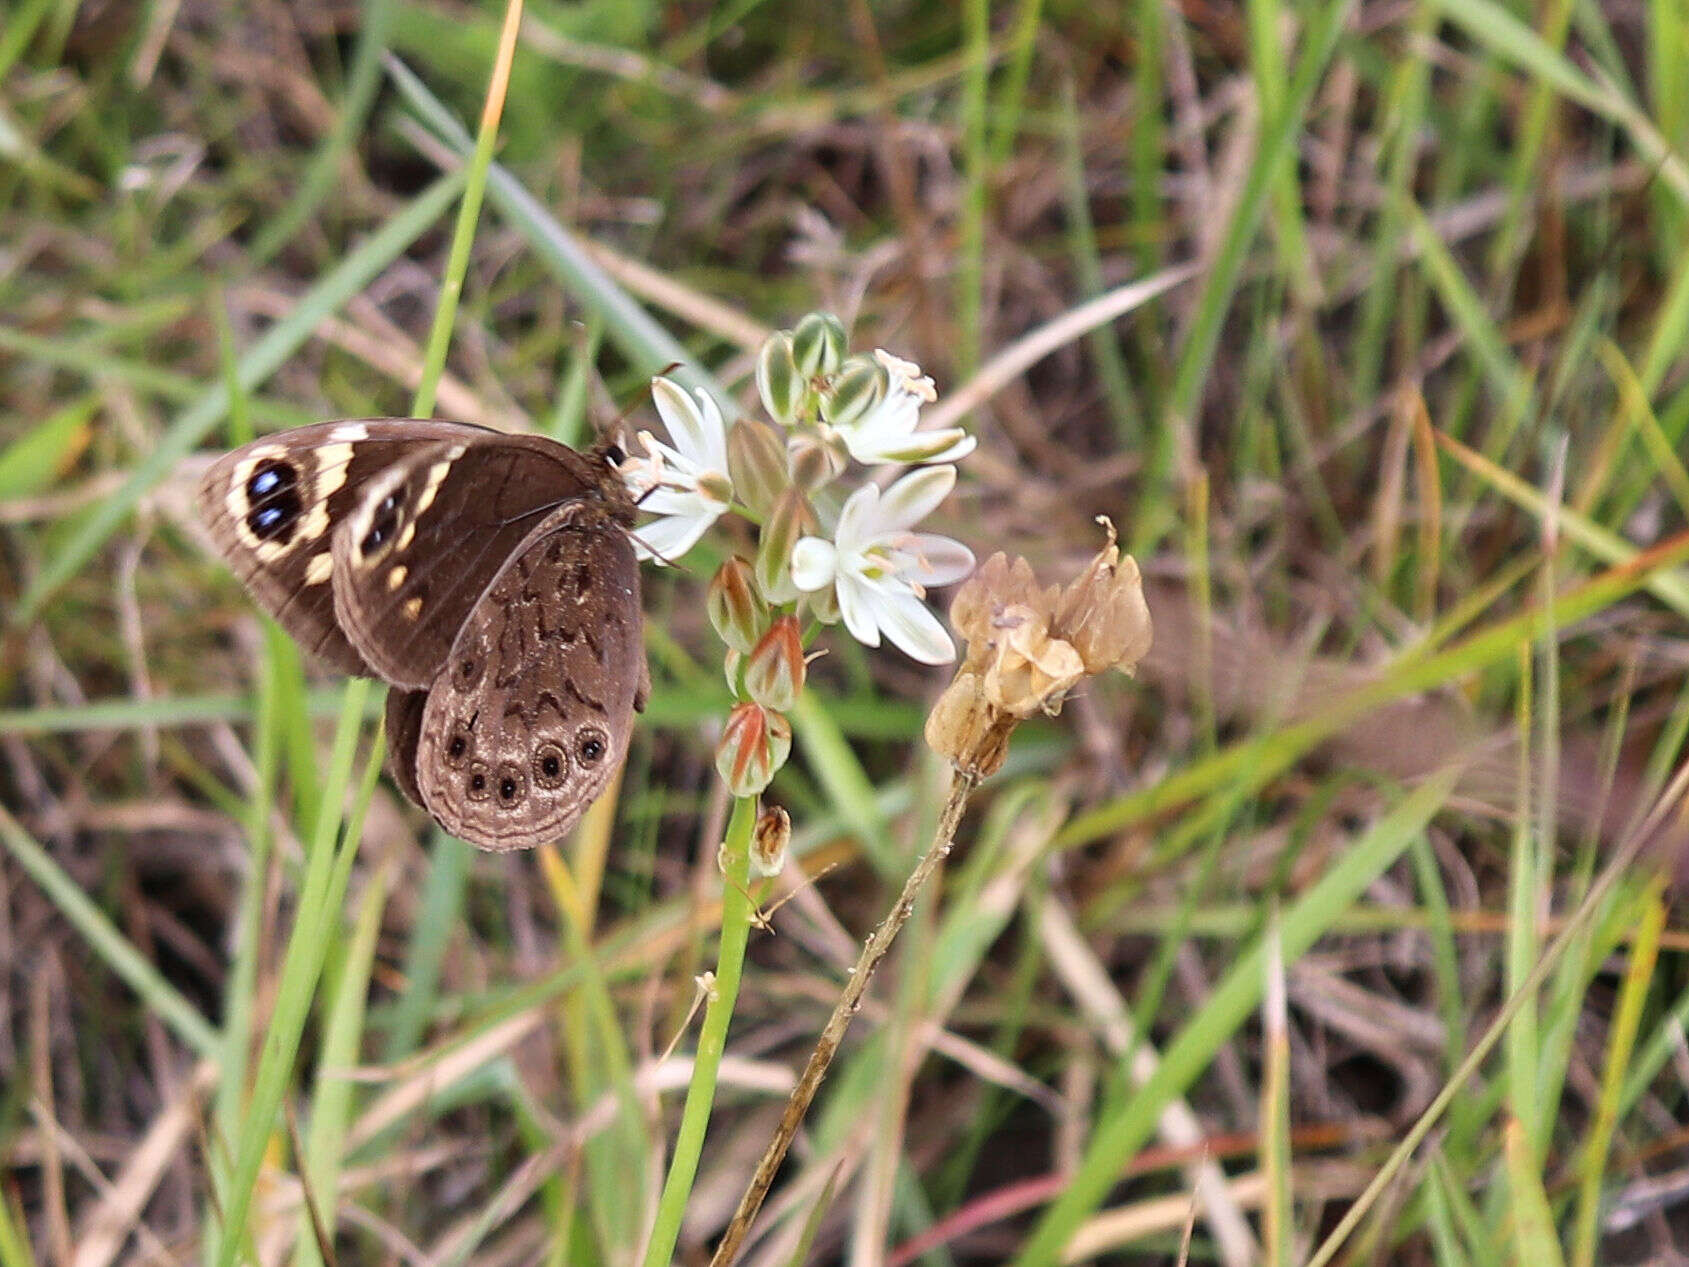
(818, 344)
(817, 458)
(790, 519)
(779, 383)
(756, 461)
(737, 610)
(775, 670)
(857, 389)
(769, 842)
(754, 745)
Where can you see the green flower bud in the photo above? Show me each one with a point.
(818, 344)
(857, 389)
(779, 383)
(790, 519)
(757, 463)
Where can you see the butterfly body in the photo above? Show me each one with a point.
(489, 579)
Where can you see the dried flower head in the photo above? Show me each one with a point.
(1028, 646)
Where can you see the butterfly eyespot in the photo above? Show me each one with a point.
(466, 672)
(386, 523)
(459, 745)
(549, 765)
(479, 783)
(590, 747)
(511, 785)
(274, 504)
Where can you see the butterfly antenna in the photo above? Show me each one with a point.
(613, 428)
(657, 555)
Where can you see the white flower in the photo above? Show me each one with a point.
(686, 486)
(887, 432)
(879, 568)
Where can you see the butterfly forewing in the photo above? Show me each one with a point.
(529, 719)
(428, 536)
(272, 506)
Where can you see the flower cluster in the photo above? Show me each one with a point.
(832, 546)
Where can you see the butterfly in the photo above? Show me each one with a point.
(489, 579)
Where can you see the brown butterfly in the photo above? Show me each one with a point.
(488, 578)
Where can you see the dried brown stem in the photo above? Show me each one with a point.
(961, 786)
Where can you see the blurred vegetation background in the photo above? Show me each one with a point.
(1350, 914)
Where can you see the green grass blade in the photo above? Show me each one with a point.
(634, 332)
(1220, 283)
(1234, 998)
(301, 966)
(38, 458)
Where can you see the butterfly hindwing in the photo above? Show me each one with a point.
(428, 535)
(530, 719)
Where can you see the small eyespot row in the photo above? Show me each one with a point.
(550, 764)
(512, 784)
(590, 745)
(478, 782)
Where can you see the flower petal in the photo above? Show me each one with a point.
(676, 501)
(666, 539)
(687, 426)
(858, 604)
(886, 423)
(672, 466)
(912, 627)
(912, 498)
(859, 520)
(935, 560)
(813, 563)
(948, 445)
(715, 432)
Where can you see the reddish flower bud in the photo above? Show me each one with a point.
(774, 673)
(735, 606)
(754, 745)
